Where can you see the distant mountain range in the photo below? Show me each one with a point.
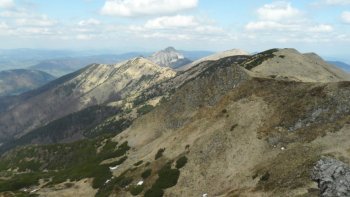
(14, 82)
(342, 65)
(63, 66)
(61, 62)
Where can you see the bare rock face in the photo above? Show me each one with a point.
(333, 177)
(169, 57)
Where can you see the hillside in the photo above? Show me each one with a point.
(236, 126)
(95, 85)
(292, 65)
(14, 82)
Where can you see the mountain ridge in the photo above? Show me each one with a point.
(241, 125)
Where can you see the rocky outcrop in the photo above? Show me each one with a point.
(333, 177)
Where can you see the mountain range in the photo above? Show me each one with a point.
(14, 82)
(231, 124)
(342, 65)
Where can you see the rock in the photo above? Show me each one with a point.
(333, 177)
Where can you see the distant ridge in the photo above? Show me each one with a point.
(13, 82)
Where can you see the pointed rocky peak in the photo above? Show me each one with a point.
(169, 57)
(170, 49)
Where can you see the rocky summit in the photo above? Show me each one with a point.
(274, 123)
(169, 57)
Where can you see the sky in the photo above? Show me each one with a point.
(321, 26)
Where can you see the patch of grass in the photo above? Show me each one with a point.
(159, 153)
(145, 174)
(181, 162)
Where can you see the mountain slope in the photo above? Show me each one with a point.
(94, 85)
(169, 57)
(222, 129)
(14, 82)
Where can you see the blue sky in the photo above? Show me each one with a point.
(322, 26)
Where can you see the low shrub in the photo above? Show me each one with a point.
(181, 162)
(136, 189)
(159, 153)
(145, 174)
(154, 192)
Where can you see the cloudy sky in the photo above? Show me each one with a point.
(322, 26)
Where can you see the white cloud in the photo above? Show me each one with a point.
(281, 22)
(35, 21)
(171, 22)
(130, 8)
(89, 22)
(321, 28)
(264, 25)
(84, 37)
(337, 2)
(278, 11)
(6, 4)
(346, 17)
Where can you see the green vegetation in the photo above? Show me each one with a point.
(154, 192)
(181, 162)
(136, 189)
(138, 163)
(259, 58)
(167, 177)
(145, 174)
(74, 161)
(114, 184)
(19, 181)
(159, 153)
(145, 109)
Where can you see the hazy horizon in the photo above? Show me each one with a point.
(320, 26)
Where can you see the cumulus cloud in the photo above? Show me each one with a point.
(6, 4)
(89, 22)
(346, 17)
(42, 21)
(278, 11)
(282, 22)
(171, 22)
(130, 8)
(84, 37)
(337, 2)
